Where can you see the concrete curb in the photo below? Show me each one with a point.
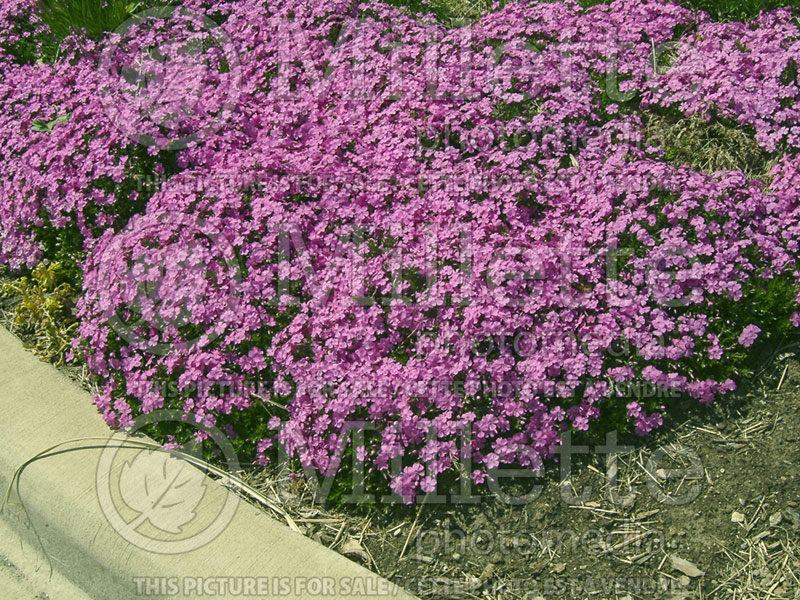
(254, 554)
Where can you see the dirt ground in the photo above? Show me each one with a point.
(705, 508)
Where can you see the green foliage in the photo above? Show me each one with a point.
(457, 12)
(722, 10)
(25, 49)
(93, 17)
(42, 310)
(768, 303)
(738, 10)
(48, 126)
(707, 146)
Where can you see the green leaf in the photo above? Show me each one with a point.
(41, 125)
(61, 119)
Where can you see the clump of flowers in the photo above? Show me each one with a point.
(456, 236)
(744, 72)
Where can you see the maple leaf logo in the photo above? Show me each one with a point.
(164, 490)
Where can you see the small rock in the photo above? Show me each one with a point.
(352, 548)
(456, 556)
(737, 517)
(661, 474)
(685, 567)
(775, 519)
(794, 516)
(538, 566)
(684, 581)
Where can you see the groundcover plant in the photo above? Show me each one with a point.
(453, 239)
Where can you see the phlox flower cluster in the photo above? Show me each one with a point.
(364, 198)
